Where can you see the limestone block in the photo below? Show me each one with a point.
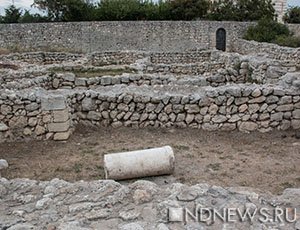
(32, 106)
(5, 109)
(3, 127)
(55, 83)
(256, 93)
(80, 82)
(61, 136)
(3, 164)
(258, 100)
(248, 126)
(296, 113)
(59, 127)
(283, 108)
(18, 122)
(69, 77)
(39, 130)
(61, 115)
(88, 104)
(27, 132)
(296, 124)
(95, 116)
(53, 102)
(32, 121)
(192, 108)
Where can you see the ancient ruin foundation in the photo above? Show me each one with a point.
(47, 95)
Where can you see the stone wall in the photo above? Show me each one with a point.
(109, 58)
(41, 57)
(241, 107)
(269, 50)
(225, 108)
(213, 68)
(210, 90)
(34, 115)
(154, 36)
(142, 205)
(151, 36)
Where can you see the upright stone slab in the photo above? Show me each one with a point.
(60, 122)
(53, 102)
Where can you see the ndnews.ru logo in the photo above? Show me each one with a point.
(231, 215)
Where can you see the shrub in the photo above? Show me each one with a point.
(119, 10)
(189, 9)
(242, 10)
(12, 14)
(291, 41)
(292, 15)
(266, 30)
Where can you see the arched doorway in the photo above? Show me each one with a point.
(221, 39)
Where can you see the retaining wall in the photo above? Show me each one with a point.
(269, 50)
(151, 36)
(246, 108)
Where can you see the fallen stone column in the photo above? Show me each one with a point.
(141, 163)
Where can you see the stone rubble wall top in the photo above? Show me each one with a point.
(106, 204)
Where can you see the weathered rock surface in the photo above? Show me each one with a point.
(57, 204)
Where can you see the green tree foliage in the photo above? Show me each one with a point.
(268, 30)
(78, 10)
(12, 14)
(155, 11)
(253, 10)
(291, 41)
(189, 9)
(148, 10)
(242, 10)
(85, 10)
(53, 8)
(32, 18)
(293, 15)
(67, 10)
(119, 10)
(223, 10)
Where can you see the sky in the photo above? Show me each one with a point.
(26, 4)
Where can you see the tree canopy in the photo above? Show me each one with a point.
(12, 14)
(292, 15)
(85, 10)
(268, 30)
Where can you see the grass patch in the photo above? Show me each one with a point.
(77, 167)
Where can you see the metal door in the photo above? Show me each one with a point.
(221, 39)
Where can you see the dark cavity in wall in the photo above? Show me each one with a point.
(221, 39)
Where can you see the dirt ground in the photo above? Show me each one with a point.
(270, 162)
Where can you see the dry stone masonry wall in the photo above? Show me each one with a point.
(246, 108)
(164, 74)
(142, 205)
(155, 36)
(44, 95)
